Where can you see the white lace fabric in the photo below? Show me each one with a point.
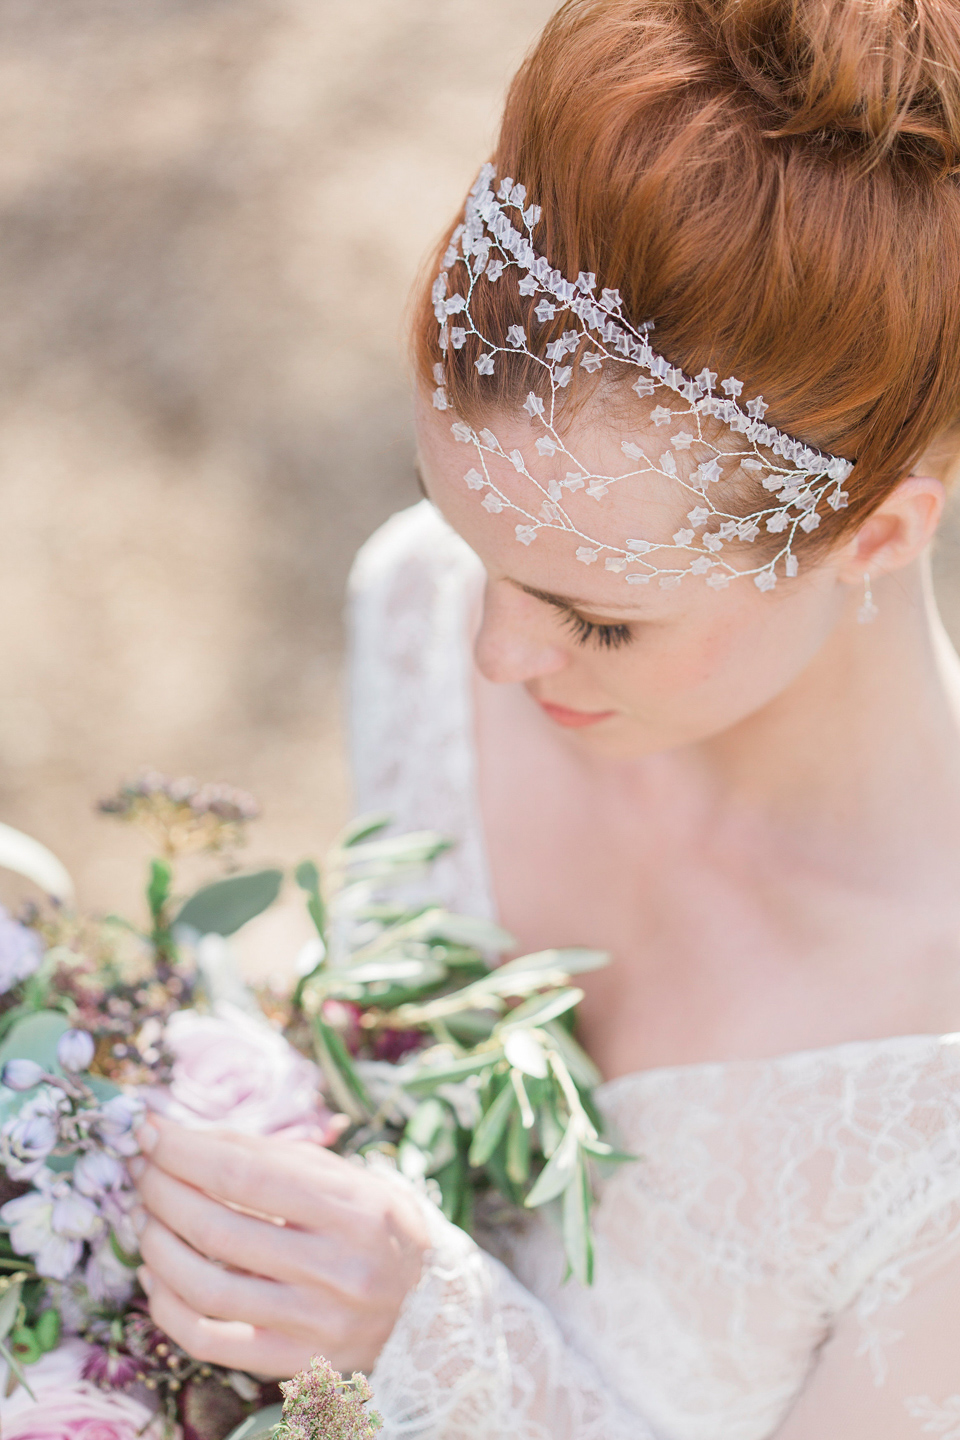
(783, 1261)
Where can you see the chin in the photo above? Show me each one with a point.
(623, 739)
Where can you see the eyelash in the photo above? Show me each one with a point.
(604, 637)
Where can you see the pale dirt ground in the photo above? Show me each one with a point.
(212, 211)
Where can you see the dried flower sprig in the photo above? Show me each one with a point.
(319, 1404)
(183, 817)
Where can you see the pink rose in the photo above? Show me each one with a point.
(69, 1408)
(234, 1071)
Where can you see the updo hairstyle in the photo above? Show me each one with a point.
(775, 184)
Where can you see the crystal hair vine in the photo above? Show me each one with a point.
(800, 479)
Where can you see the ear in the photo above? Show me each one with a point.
(896, 532)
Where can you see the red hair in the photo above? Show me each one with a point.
(774, 183)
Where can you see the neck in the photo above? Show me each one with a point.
(865, 743)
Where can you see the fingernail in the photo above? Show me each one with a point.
(136, 1166)
(146, 1280)
(138, 1218)
(147, 1137)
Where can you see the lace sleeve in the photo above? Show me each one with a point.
(891, 1370)
(474, 1356)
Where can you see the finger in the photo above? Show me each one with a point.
(255, 1246)
(300, 1183)
(260, 1247)
(208, 1288)
(234, 1344)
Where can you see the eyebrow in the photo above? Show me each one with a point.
(570, 602)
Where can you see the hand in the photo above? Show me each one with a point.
(260, 1253)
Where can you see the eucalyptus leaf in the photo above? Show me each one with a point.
(307, 877)
(388, 858)
(226, 905)
(493, 1123)
(471, 1027)
(27, 857)
(413, 969)
(600, 1150)
(573, 961)
(518, 1150)
(9, 1307)
(558, 1171)
(347, 1090)
(577, 1061)
(453, 1182)
(412, 926)
(427, 1121)
(469, 931)
(362, 829)
(550, 1130)
(429, 1140)
(425, 1077)
(258, 1426)
(158, 888)
(35, 1037)
(17, 1368)
(541, 1008)
(577, 1241)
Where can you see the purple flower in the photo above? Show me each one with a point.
(108, 1280)
(51, 1223)
(29, 1136)
(109, 1369)
(75, 1050)
(116, 1123)
(75, 1217)
(96, 1172)
(21, 1074)
(21, 951)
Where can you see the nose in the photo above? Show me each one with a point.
(516, 641)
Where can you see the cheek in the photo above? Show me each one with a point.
(720, 669)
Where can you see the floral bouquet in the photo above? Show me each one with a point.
(402, 1037)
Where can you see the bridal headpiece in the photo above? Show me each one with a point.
(800, 480)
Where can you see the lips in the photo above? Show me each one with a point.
(574, 719)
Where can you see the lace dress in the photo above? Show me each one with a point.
(784, 1260)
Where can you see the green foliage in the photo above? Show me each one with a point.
(501, 1085)
(223, 907)
(35, 1037)
(308, 878)
(158, 891)
(259, 1426)
(12, 1330)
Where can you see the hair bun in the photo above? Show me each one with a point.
(884, 74)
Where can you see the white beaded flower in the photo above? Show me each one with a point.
(496, 236)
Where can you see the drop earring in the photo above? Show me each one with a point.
(868, 610)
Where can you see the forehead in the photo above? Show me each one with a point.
(547, 560)
(575, 504)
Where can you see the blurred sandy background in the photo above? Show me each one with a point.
(212, 211)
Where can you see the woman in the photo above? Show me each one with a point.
(677, 742)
